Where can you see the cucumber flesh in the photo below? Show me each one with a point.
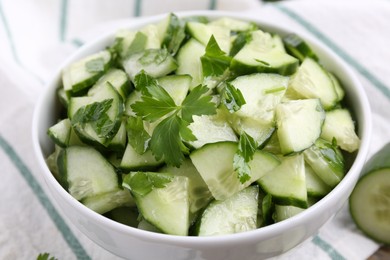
(287, 183)
(233, 215)
(299, 124)
(370, 205)
(105, 202)
(167, 206)
(214, 162)
(85, 172)
(60, 132)
(132, 160)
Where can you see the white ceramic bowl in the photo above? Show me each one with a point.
(269, 241)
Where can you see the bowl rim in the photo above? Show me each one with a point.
(260, 233)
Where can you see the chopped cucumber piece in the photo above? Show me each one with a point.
(233, 215)
(339, 125)
(134, 161)
(234, 24)
(299, 124)
(214, 162)
(327, 162)
(313, 81)
(155, 62)
(82, 74)
(177, 86)
(314, 185)
(60, 132)
(96, 119)
(298, 47)
(117, 78)
(165, 203)
(287, 183)
(199, 194)
(262, 55)
(188, 59)
(85, 173)
(105, 202)
(202, 33)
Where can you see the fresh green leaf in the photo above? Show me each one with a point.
(96, 115)
(246, 149)
(167, 142)
(115, 49)
(332, 154)
(45, 256)
(215, 61)
(142, 80)
(95, 65)
(174, 36)
(197, 103)
(152, 108)
(138, 44)
(232, 98)
(141, 183)
(138, 138)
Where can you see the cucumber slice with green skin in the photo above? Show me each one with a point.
(327, 162)
(199, 194)
(134, 161)
(203, 32)
(118, 79)
(214, 162)
(166, 204)
(314, 185)
(155, 62)
(118, 143)
(313, 81)
(340, 125)
(63, 97)
(299, 124)
(87, 132)
(188, 59)
(284, 212)
(233, 215)
(84, 172)
(60, 132)
(262, 55)
(82, 74)
(298, 47)
(171, 33)
(287, 183)
(369, 204)
(105, 202)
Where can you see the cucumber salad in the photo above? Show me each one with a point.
(201, 127)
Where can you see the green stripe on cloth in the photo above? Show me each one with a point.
(9, 35)
(63, 19)
(213, 4)
(137, 8)
(68, 235)
(363, 71)
(327, 248)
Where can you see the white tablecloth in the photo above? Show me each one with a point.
(37, 35)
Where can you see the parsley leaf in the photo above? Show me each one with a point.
(96, 115)
(138, 138)
(197, 103)
(95, 65)
(215, 61)
(167, 142)
(45, 256)
(141, 183)
(246, 149)
(168, 137)
(232, 98)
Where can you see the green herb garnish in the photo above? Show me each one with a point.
(246, 149)
(168, 137)
(141, 183)
(232, 98)
(137, 136)
(215, 61)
